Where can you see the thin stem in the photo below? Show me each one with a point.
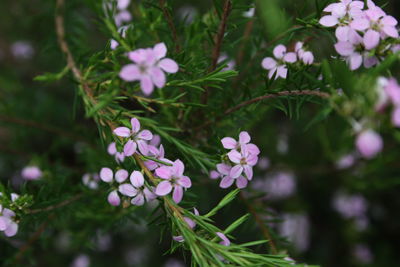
(171, 25)
(261, 224)
(58, 205)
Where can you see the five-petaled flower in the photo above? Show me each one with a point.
(137, 138)
(174, 179)
(244, 162)
(149, 67)
(136, 189)
(278, 65)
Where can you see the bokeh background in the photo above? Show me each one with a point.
(325, 205)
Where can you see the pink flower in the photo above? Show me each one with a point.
(112, 150)
(225, 241)
(396, 117)
(91, 180)
(107, 175)
(244, 141)
(123, 4)
(230, 64)
(7, 223)
(122, 17)
(244, 162)
(369, 143)
(190, 222)
(392, 90)
(227, 180)
(157, 153)
(306, 56)
(278, 65)
(31, 173)
(138, 139)
(339, 11)
(174, 179)
(149, 67)
(136, 189)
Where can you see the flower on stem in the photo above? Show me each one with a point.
(227, 180)
(149, 67)
(369, 143)
(306, 56)
(7, 222)
(136, 189)
(107, 175)
(278, 64)
(173, 180)
(244, 141)
(157, 153)
(244, 162)
(31, 173)
(112, 150)
(137, 138)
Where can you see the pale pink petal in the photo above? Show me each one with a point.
(130, 73)
(328, 21)
(391, 31)
(11, 230)
(179, 167)
(248, 171)
(355, 61)
(163, 188)
(168, 65)
(149, 195)
(160, 50)
(340, 10)
(112, 148)
(282, 72)
(146, 84)
(241, 182)
(396, 117)
(214, 175)
(145, 135)
(190, 222)
(127, 190)
(371, 39)
(226, 182)
(252, 159)
(138, 200)
(360, 24)
(342, 33)
(164, 172)
(177, 194)
(185, 182)
(130, 148)
(137, 179)
(122, 131)
(223, 168)
(106, 174)
(234, 156)
(279, 51)
(290, 57)
(389, 21)
(157, 76)
(135, 124)
(113, 198)
(4, 222)
(272, 72)
(123, 4)
(344, 48)
(330, 7)
(308, 58)
(121, 175)
(178, 238)
(142, 145)
(253, 149)
(229, 143)
(244, 137)
(268, 63)
(225, 241)
(236, 171)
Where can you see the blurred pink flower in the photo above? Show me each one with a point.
(149, 67)
(278, 65)
(369, 143)
(31, 173)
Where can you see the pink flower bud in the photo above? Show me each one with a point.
(369, 143)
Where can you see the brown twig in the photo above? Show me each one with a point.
(171, 25)
(218, 42)
(58, 205)
(261, 224)
(264, 97)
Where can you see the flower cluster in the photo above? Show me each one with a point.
(278, 64)
(135, 189)
(8, 222)
(144, 143)
(365, 34)
(238, 165)
(149, 65)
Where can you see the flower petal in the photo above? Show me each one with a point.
(160, 50)
(143, 147)
(241, 182)
(244, 137)
(112, 148)
(106, 174)
(146, 84)
(11, 230)
(248, 170)
(344, 48)
(168, 65)
(135, 124)
(371, 39)
(137, 179)
(185, 182)
(138, 200)
(236, 171)
(235, 156)
(122, 131)
(178, 167)
(145, 135)
(226, 182)
(163, 188)
(113, 198)
(127, 190)
(178, 194)
(225, 241)
(121, 175)
(279, 51)
(223, 168)
(268, 63)
(290, 57)
(328, 21)
(355, 61)
(157, 76)
(130, 148)
(130, 73)
(228, 143)
(164, 172)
